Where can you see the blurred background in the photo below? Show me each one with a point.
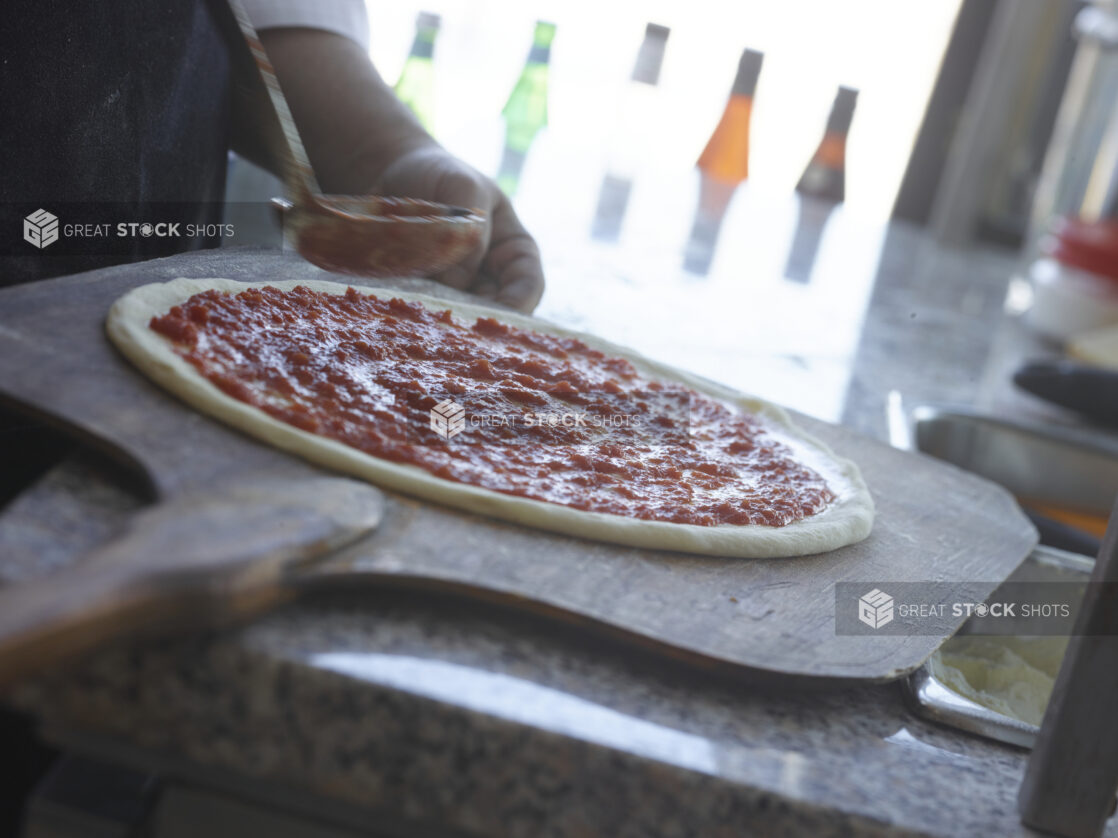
(891, 52)
(713, 183)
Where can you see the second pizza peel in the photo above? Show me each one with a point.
(770, 618)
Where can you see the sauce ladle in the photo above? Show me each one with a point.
(362, 235)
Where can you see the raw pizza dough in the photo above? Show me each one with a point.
(846, 520)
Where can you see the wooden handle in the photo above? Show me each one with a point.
(47, 623)
(190, 562)
(1072, 775)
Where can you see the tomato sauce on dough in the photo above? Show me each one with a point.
(367, 372)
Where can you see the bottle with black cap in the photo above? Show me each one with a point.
(825, 175)
(635, 127)
(821, 188)
(723, 165)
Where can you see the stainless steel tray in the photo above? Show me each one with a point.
(1055, 465)
(932, 699)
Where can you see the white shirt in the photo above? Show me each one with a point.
(343, 17)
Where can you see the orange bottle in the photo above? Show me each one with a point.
(723, 165)
(726, 156)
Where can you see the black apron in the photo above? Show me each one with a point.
(111, 111)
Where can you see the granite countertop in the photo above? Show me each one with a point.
(410, 714)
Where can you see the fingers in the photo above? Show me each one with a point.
(458, 186)
(434, 175)
(505, 265)
(521, 285)
(513, 262)
(460, 276)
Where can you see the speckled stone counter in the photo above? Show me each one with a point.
(403, 714)
(427, 712)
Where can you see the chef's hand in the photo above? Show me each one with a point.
(506, 264)
(361, 139)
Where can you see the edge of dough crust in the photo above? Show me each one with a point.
(846, 520)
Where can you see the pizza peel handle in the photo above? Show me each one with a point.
(191, 562)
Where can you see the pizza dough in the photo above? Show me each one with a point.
(846, 520)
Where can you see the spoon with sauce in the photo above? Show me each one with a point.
(362, 235)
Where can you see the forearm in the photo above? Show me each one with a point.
(352, 124)
(362, 140)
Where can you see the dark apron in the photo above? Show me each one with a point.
(109, 109)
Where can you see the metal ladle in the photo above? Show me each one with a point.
(364, 235)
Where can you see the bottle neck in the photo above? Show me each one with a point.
(541, 43)
(539, 54)
(838, 124)
(749, 70)
(650, 57)
(842, 112)
(423, 48)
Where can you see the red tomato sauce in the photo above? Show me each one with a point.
(367, 371)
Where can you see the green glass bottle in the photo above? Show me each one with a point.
(525, 112)
(416, 86)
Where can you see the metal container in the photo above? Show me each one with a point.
(932, 699)
(1059, 466)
